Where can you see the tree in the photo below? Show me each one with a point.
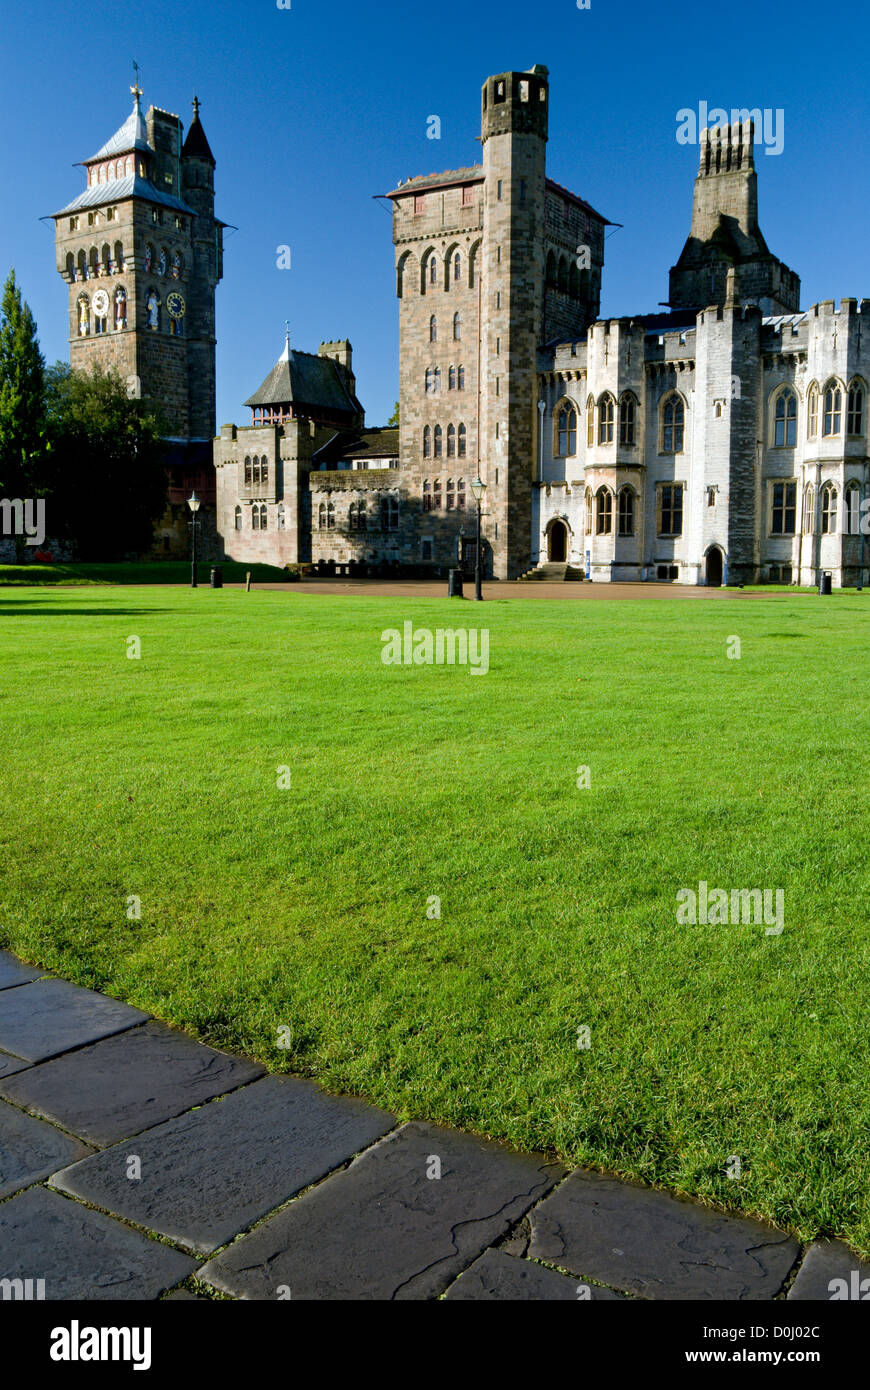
(394, 418)
(108, 476)
(22, 384)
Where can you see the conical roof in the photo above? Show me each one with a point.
(195, 142)
(133, 135)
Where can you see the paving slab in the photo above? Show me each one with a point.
(383, 1228)
(209, 1174)
(41, 1020)
(649, 1243)
(831, 1272)
(9, 1065)
(499, 1276)
(30, 1149)
(82, 1254)
(128, 1083)
(14, 972)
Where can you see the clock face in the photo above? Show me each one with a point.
(101, 304)
(175, 305)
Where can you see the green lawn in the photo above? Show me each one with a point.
(124, 572)
(306, 909)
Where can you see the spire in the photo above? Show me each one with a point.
(285, 355)
(132, 135)
(195, 143)
(136, 89)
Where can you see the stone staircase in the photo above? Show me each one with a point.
(552, 572)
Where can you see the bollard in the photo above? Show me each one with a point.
(248, 582)
(217, 577)
(824, 583)
(454, 584)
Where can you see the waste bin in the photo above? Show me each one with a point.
(454, 584)
(217, 577)
(824, 583)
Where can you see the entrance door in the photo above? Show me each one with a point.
(557, 543)
(714, 568)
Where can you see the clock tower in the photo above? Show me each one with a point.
(141, 251)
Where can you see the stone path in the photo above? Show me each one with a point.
(137, 1163)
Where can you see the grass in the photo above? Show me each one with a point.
(306, 909)
(124, 572)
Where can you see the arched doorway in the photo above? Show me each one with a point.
(557, 542)
(713, 570)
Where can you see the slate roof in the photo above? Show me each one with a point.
(131, 186)
(195, 142)
(360, 444)
(304, 378)
(581, 202)
(473, 174)
(132, 135)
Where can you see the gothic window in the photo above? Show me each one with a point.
(461, 440)
(361, 516)
(263, 517)
(238, 518)
(264, 471)
(71, 268)
(457, 268)
(457, 327)
(812, 412)
(460, 379)
(590, 424)
(427, 495)
(673, 426)
(120, 263)
(437, 379)
(438, 443)
(330, 516)
(566, 432)
(255, 475)
(451, 379)
(427, 441)
(671, 509)
(433, 269)
(82, 267)
(429, 381)
(436, 495)
(785, 420)
(105, 259)
(282, 518)
(248, 472)
(84, 314)
(451, 441)
(809, 510)
(321, 516)
(855, 410)
(128, 166)
(627, 424)
(829, 509)
(588, 522)
(605, 419)
(255, 518)
(626, 512)
(352, 517)
(451, 494)
(852, 500)
(93, 264)
(460, 495)
(148, 259)
(783, 509)
(390, 513)
(433, 329)
(833, 410)
(603, 512)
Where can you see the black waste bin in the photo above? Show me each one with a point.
(454, 584)
(217, 577)
(824, 583)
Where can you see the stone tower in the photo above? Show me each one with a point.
(515, 114)
(725, 234)
(141, 252)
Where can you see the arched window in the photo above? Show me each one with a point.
(673, 425)
(566, 432)
(457, 268)
(390, 513)
(852, 503)
(829, 509)
(605, 419)
(461, 439)
(457, 327)
(809, 509)
(256, 470)
(427, 441)
(84, 315)
(812, 412)
(71, 267)
(427, 495)
(248, 473)
(460, 379)
(282, 518)
(451, 494)
(403, 271)
(433, 329)
(451, 379)
(588, 518)
(626, 512)
(352, 518)
(438, 443)
(330, 516)
(590, 425)
(429, 381)
(460, 491)
(855, 410)
(105, 259)
(148, 257)
(93, 264)
(473, 257)
(263, 517)
(603, 512)
(264, 471)
(832, 417)
(451, 442)
(255, 518)
(436, 496)
(627, 417)
(82, 267)
(238, 518)
(785, 420)
(437, 379)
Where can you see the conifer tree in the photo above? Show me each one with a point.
(22, 386)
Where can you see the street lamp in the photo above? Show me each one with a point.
(478, 488)
(194, 504)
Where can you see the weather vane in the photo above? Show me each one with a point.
(136, 90)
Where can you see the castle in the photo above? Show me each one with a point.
(724, 439)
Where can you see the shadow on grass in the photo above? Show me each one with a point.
(29, 604)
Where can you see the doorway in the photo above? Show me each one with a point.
(713, 570)
(557, 543)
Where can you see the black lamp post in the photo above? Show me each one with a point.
(194, 504)
(478, 488)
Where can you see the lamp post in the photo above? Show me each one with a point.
(478, 488)
(194, 504)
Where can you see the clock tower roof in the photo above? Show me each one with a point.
(132, 135)
(195, 142)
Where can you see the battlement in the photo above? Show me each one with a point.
(727, 149)
(516, 102)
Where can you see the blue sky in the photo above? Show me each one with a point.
(313, 110)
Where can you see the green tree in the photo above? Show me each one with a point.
(394, 418)
(108, 483)
(22, 385)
